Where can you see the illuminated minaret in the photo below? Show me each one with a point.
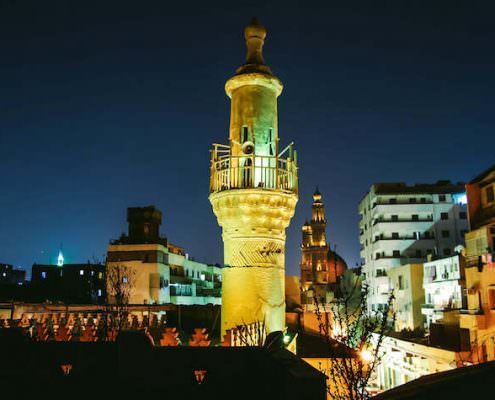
(253, 191)
(320, 266)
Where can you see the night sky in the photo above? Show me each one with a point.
(105, 105)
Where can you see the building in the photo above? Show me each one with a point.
(69, 283)
(131, 367)
(11, 276)
(444, 286)
(320, 266)
(162, 273)
(253, 192)
(403, 360)
(478, 317)
(457, 384)
(407, 281)
(401, 224)
(12, 283)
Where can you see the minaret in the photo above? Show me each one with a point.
(318, 221)
(253, 192)
(314, 247)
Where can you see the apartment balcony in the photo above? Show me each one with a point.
(409, 208)
(404, 238)
(405, 203)
(251, 171)
(401, 220)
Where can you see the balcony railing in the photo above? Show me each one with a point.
(249, 171)
(381, 220)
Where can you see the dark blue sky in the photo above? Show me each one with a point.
(105, 105)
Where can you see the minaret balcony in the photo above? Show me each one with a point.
(251, 171)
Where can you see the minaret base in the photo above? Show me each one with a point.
(253, 294)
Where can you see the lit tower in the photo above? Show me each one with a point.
(253, 191)
(320, 266)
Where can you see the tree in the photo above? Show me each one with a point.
(121, 280)
(347, 321)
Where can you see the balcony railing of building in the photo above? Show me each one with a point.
(249, 171)
(423, 219)
(406, 237)
(402, 203)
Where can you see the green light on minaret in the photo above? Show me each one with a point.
(60, 259)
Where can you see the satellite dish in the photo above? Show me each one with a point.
(248, 147)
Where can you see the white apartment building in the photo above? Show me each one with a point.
(401, 224)
(443, 283)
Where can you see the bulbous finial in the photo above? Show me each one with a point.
(255, 35)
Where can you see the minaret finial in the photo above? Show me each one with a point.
(255, 35)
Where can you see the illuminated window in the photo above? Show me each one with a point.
(43, 274)
(124, 279)
(81, 272)
(99, 292)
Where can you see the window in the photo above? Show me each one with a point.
(396, 253)
(412, 200)
(124, 279)
(441, 197)
(462, 215)
(446, 252)
(392, 201)
(490, 195)
(81, 272)
(377, 256)
(423, 200)
(445, 234)
(395, 217)
(417, 235)
(401, 282)
(99, 292)
(427, 235)
(43, 275)
(245, 134)
(395, 235)
(415, 217)
(444, 215)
